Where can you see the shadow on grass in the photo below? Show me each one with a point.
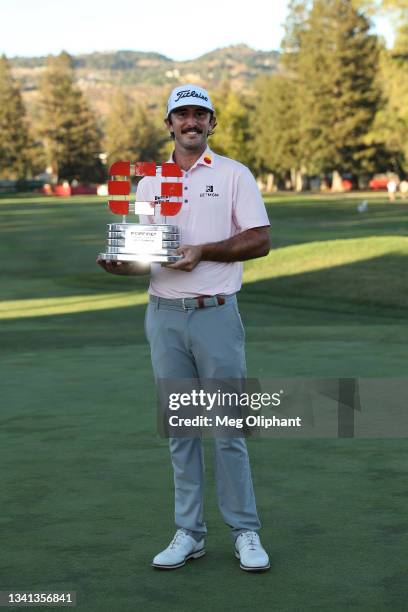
(368, 292)
(375, 286)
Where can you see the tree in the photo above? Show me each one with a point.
(71, 135)
(15, 140)
(275, 128)
(336, 67)
(232, 134)
(315, 116)
(276, 123)
(295, 26)
(380, 6)
(391, 123)
(132, 132)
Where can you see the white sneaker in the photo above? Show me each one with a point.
(182, 548)
(249, 550)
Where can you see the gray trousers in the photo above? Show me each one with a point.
(206, 343)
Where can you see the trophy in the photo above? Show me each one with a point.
(135, 242)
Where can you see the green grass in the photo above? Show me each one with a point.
(86, 482)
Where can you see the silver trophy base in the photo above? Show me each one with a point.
(142, 259)
(142, 244)
(139, 268)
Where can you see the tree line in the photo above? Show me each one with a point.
(337, 106)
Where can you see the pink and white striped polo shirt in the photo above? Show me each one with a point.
(220, 199)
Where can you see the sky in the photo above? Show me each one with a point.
(180, 31)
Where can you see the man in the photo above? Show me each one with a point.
(193, 324)
(403, 189)
(392, 189)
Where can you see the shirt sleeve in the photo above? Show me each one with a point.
(248, 207)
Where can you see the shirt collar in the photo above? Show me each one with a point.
(206, 159)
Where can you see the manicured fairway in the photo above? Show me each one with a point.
(86, 483)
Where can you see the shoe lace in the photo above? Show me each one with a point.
(177, 538)
(251, 539)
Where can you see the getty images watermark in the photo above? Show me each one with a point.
(225, 402)
(294, 408)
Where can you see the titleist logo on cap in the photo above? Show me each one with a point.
(188, 93)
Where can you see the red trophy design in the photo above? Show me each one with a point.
(144, 244)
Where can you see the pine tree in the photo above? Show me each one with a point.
(118, 138)
(315, 116)
(337, 67)
(232, 134)
(391, 123)
(295, 26)
(15, 141)
(132, 132)
(149, 134)
(276, 123)
(71, 134)
(275, 128)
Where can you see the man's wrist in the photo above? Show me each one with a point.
(205, 252)
(216, 251)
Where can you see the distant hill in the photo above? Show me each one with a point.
(148, 76)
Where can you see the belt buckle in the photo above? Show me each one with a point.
(183, 303)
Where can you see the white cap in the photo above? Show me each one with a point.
(189, 95)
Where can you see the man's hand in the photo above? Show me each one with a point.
(191, 256)
(123, 268)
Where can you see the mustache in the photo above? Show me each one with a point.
(192, 129)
